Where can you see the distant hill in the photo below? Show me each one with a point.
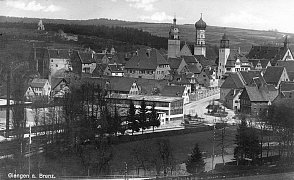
(243, 38)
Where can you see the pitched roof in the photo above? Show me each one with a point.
(204, 61)
(99, 70)
(273, 74)
(249, 75)
(288, 102)
(263, 62)
(193, 68)
(87, 57)
(190, 59)
(120, 83)
(233, 81)
(289, 65)
(260, 94)
(174, 63)
(173, 91)
(115, 68)
(185, 50)
(59, 53)
(146, 59)
(179, 79)
(267, 52)
(57, 80)
(233, 93)
(149, 86)
(39, 83)
(287, 86)
(291, 75)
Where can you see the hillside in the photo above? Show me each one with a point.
(243, 38)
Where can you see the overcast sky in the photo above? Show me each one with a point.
(249, 14)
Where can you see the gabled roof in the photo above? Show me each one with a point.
(260, 94)
(174, 63)
(233, 56)
(99, 70)
(87, 57)
(185, 51)
(291, 75)
(120, 83)
(273, 74)
(190, 59)
(233, 93)
(173, 91)
(59, 53)
(179, 79)
(146, 59)
(289, 65)
(233, 81)
(193, 68)
(267, 52)
(287, 86)
(249, 75)
(204, 61)
(55, 81)
(38, 83)
(115, 68)
(263, 62)
(149, 86)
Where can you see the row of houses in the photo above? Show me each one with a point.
(252, 91)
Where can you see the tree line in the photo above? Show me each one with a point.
(117, 33)
(267, 137)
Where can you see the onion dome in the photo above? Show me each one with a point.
(200, 24)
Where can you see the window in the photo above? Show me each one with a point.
(56, 65)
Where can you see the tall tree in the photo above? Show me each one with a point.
(195, 163)
(154, 120)
(143, 124)
(132, 118)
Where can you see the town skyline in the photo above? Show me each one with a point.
(239, 14)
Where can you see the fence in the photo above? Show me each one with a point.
(203, 93)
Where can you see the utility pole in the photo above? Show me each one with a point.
(8, 100)
(30, 142)
(212, 158)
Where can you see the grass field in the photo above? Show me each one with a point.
(181, 145)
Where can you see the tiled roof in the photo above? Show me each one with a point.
(263, 62)
(233, 93)
(233, 56)
(204, 61)
(115, 68)
(174, 63)
(59, 53)
(291, 75)
(233, 81)
(148, 86)
(99, 70)
(287, 86)
(267, 52)
(190, 59)
(120, 83)
(289, 65)
(288, 102)
(173, 91)
(273, 74)
(56, 80)
(39, 83)
(87, 57)
(193, 68)
(146, 59)
(260, 94)
(249, 75)
(179, 79)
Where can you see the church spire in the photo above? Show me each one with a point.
(286, 42)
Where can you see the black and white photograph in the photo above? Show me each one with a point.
(146, 89)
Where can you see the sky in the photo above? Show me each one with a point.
(248, 14)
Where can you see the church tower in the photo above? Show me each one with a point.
(41, 25)
(224, 52)
(173, 41)
(199, 47)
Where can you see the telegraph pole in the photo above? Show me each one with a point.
(8, 100)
